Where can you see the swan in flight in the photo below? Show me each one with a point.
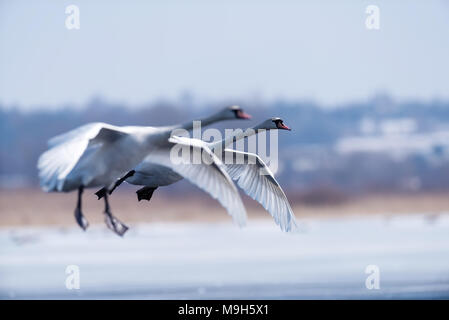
(96, 154)
(253, 175)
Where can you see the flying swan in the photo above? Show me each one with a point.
(96, 154)
(253, 175)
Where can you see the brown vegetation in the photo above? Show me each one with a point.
(34, 207)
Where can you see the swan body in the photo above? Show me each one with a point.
(94, 155)
(98, 153)
(153, 175)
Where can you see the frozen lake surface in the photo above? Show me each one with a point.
(220, 261)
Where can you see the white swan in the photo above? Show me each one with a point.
(253, 176)
(97, 154)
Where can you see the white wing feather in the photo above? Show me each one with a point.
(258, 182)
(86, 131)
(67, 149)
(211, 178)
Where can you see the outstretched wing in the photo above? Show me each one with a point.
(67, 149)
(79, 133)
(209, 175)
(258, 182)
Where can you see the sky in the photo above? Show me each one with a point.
(134, 52)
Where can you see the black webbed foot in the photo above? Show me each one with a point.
(80, 219)
(145, 193)
(82, 222)
(101, 193)
(112, 222)
(115, 224)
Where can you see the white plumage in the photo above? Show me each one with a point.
(97, 154)
(258, 182)
(212, 178)
(253, 176)
(74, 148)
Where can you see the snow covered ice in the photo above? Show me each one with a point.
(220, 261)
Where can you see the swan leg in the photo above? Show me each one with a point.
(145, 193)
(102, 192)
(79, 217)
(121, 180)
(112, 222)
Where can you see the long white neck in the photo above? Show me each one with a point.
(240, 134)
(166, 131)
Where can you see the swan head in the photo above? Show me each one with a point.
(273, 123)
(232, 113)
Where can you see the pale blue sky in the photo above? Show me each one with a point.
(138, 51)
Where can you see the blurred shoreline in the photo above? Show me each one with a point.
(33, 207)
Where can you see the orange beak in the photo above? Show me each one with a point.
(283, 126)
(242, 115)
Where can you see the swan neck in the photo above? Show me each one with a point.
(238, 135)
(204, 122)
